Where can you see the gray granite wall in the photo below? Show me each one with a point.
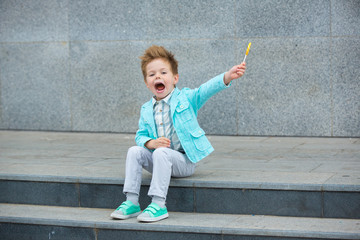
(73, 65)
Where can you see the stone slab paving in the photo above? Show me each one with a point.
(294, 163)
(250, 225)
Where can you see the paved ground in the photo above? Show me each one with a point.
(232, 224)
(248, 162)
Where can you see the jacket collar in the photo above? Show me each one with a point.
(166, 99)
(148, 107)
(174, 100)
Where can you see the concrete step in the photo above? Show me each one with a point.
(45, 222)
(301, 177)
(184, 198)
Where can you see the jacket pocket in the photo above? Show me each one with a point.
(183, 111)
(199, 139)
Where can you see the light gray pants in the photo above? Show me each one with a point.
(163, 163)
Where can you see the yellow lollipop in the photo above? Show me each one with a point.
(247, 51)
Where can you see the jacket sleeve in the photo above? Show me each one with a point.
(200, 95)
(142, 134)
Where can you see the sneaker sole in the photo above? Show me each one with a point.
(153, 219)
(123, 217)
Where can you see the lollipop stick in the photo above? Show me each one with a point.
(247, 51)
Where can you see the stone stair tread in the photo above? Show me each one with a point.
(303, 177)
(289, 163)
(225, 224)
(219, 179)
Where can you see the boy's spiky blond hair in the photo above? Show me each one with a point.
(155, 52)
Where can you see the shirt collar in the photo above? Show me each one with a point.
(166, 99)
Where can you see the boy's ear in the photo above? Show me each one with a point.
(176, 78)
(147, 85)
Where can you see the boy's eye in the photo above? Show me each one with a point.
(163, 72)
(151, 74)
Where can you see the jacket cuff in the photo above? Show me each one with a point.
(141, 142)
(222, 78)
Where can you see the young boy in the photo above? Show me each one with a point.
(169, 140)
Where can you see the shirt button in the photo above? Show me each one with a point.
(181, 106)
(161, 124)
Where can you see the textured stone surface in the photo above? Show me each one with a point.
(41, 193)
(113, 234)
(108, 88)
(29, 231)
(341, 205)
(190, 19)
(306, 164)
(259, 18)
(343, 180)
(252, 175)
(346, 86)
(248, 201)
(107, 20)
(35, 20)
(148, 20)
(302, 77)
(100, 196)
(35, 86)
(287, 89)
(345, 17)
(205, 226)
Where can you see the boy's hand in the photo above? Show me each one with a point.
(160, 142)
(234, 73)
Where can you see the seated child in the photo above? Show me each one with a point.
(169, 139)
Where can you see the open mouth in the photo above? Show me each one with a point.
(159, 87)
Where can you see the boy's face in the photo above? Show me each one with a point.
(160, 79)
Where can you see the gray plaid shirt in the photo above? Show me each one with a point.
(164, 124)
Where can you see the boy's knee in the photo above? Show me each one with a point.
(162, 151)
(161, 156)
(134, 149)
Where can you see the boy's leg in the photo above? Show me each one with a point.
(137, 157)
(166, 163)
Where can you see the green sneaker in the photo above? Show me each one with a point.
(153, 213)
(126, 210)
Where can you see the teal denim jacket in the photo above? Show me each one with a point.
(184, 105)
